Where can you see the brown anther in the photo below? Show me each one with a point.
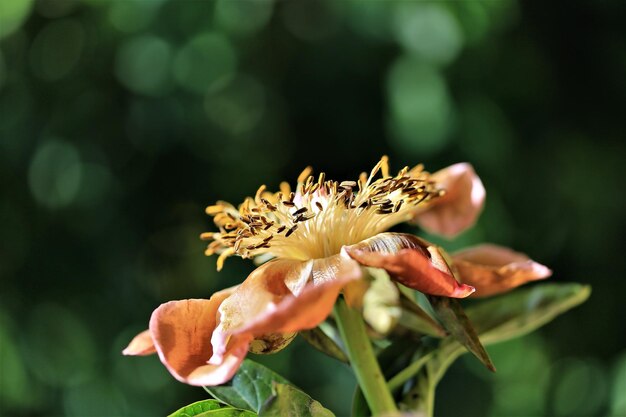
(299, 211)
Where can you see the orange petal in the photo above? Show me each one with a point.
(411, 261)
(494, 269)
(459, 208)
(281, 297)
(141, 345)
(182, 331)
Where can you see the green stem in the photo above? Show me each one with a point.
(363, 360)
(408, 372)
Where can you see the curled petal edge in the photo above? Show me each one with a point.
(304, 299)
(181, 333)
(459, 208)
(494, 269)
(411, 261)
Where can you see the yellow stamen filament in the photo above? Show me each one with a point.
(320, 217)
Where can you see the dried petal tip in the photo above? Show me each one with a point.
(141, 345)
(462, 291)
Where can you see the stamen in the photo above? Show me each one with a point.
(328, 214)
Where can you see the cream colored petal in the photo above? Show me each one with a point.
(410, 261)
(181, 331)
(282, 297)
(459, 208)
(495, 269)
(140, 345)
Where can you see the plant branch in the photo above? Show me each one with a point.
(363, 360)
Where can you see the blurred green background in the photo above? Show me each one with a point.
(121, 120)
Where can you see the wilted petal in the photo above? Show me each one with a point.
(494, 269)
(411, 261)
(282, 297)
(459, 208)
(140, 345)
(182, 330)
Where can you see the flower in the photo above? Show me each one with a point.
(317, 238)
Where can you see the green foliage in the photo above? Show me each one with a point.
(210, 408)
(524, 310)
(289, 401)
(502, 318)
(249, 388)
(260, 391)
(455, 320)
(322, 342)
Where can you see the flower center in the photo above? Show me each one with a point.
(321, 215)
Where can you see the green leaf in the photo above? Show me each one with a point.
(415, 319)
(210, 408)
(522, 311)
(322, 342)
(250, 387)
(498, 319)
(455, 320)
(290, 401)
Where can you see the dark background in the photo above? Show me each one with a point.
(121, 120)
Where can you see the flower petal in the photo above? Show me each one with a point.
(411, 261)
(281, 297)
(182, 330)
(459, 208)
(141, 345)
(495, 269)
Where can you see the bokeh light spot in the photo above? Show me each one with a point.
(370, 19)
(618, 396)
(420, 106)
(142, 64)
(12, 14)
(238, 107)
(243, 16)
(475, 20)
(520, 385)
(13, 378)
(206, 62)
(57, 49)
(60, 349)
(580, 388)
(54, 174)
(429, 30)
(130, 16)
